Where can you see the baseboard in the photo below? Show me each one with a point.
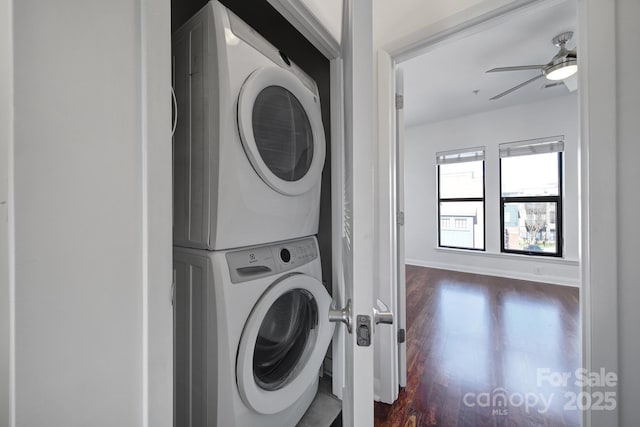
(510, 274)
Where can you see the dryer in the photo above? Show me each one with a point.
(251, 330)
(249, 146)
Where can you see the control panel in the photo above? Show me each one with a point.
(262, 261)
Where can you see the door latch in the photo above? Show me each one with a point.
(363, 330)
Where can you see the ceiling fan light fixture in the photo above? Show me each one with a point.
(562, 70)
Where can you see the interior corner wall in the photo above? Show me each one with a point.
(628, 110)
(268, 22)
(555, 116)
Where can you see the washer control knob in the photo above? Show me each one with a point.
(285, 255)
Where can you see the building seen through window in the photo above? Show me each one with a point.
(461, 199)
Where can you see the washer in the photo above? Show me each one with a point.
(249, 146)
(251, 330)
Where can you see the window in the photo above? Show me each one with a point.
(461, 199)
(531, 196)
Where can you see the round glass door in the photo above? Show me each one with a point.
(283, 339)
(281, 130)
(282, 133)
(283, 343)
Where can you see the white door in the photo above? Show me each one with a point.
(386, 378)
(357, 246)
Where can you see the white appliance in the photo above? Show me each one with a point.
(251, 330)
(249, 146)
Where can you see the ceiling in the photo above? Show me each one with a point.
(441, 83)
(329, 12)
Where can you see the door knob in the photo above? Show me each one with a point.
(382, 314)
(342, 315)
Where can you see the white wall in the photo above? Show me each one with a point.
(85, 289)
(78, 213)
(556, 116)
(628, 93)
(6, 138)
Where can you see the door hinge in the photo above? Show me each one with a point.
(401, 336)
(400, 218)
(399, 101)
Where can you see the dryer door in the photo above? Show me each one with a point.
(283, 343)
(281, 130)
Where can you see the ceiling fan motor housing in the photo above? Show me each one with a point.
(564, 58)
(561, 39)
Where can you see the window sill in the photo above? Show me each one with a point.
(500, 255)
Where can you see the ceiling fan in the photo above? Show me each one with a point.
(561, 66)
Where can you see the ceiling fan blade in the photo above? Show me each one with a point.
(507, 92)
(516, 68)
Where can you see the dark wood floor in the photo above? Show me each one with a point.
(474, 342)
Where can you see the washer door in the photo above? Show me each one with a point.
(283, 343)
(281, 130)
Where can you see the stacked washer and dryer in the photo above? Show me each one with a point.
(251, 326)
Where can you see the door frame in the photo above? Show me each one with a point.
(597, 147)
(156, 211)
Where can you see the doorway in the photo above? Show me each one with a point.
(448, 110)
